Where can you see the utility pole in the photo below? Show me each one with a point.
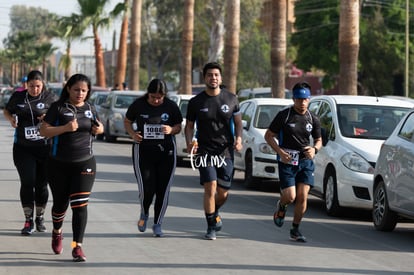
(407, 46)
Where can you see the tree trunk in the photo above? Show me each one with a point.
(121, 64)
(68, 62)
(135, 44)
(187, 48)
(278, 47)
(348, 47)
(100, 68)
(215, 51)
(232, 45)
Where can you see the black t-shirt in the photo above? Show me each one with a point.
(213, 116)
(294, 130)
(149, 118)
(28, 109)
(72, 146)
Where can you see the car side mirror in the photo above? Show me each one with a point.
(245, 124)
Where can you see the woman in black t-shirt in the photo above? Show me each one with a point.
(152, 121)
(73, 123)
(25, 110)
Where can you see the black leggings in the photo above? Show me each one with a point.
(154, 170)
(71, 182)
(30, 163)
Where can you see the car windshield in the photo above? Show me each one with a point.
(262, 95)
(265, 115)
(123, 101)
(100, 99)
(369, 122)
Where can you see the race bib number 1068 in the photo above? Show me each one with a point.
(153, 131)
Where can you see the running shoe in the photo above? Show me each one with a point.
(211, 233)
(78, 255)
(156, 229)
(40, 224)
(279, 215)
(28, 228)
(142, 223)
(295, 235)
(219, 222)
(57, 246)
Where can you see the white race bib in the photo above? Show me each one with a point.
(294, 156)
(153, 131)
(32, 133)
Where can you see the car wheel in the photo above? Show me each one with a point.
(383, 217)
(108, 136)
(249, 180)
(331, 194)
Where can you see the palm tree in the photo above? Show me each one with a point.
(93, 13)
(70, 28)
(187, 47)
(348, 46)
(44, 51)
(232, 44)
(121, 64)
(135, 44)
(278, 47)
(12, 57)
(21, 47)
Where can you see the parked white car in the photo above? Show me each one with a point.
(182, 102)
(260, 92)
(353, 129)
(394, 177)
(257, 159)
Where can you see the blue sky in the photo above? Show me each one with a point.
(60, 7)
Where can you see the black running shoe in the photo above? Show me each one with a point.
(28, 228)
(219, 223)
(295, 235)
(40, 224)
(279, 215)
(211, 233)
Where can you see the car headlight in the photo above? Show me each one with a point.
(355, 162)
(266, 149)
(118, 117)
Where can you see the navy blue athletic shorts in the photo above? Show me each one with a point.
(289, 175)
(217, 168)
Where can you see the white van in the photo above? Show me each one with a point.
(353, 127)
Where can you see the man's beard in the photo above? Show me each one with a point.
(212, 87)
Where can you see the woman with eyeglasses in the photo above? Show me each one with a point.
(72, 123)
(25, 110)
(152, 121)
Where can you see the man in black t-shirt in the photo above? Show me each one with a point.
(219, 132)
(289, 135)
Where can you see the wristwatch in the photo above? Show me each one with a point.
(316, 149)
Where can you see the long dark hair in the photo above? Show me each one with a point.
(64, 96)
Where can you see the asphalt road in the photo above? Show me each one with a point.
(248, 243)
